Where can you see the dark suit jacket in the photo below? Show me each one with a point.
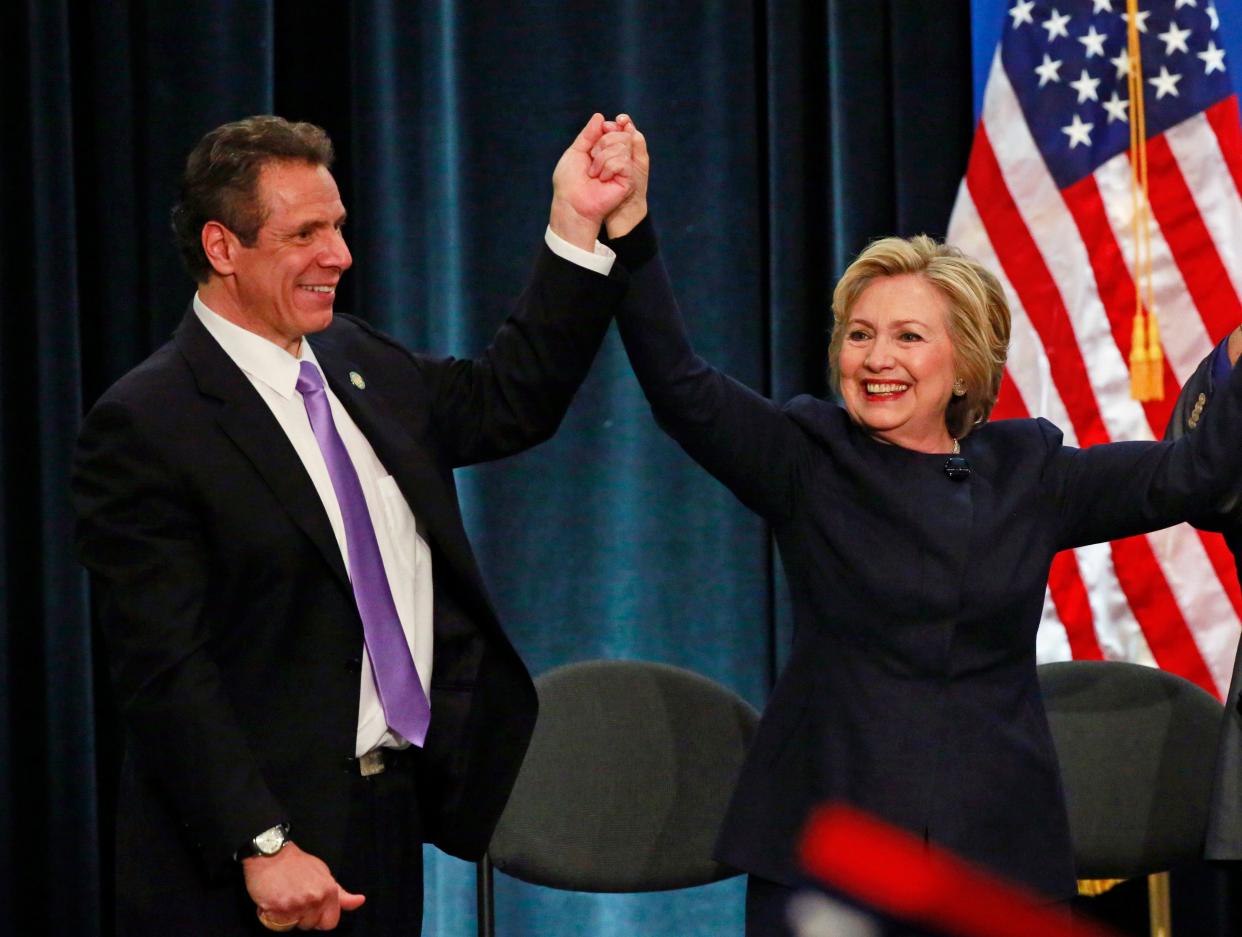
(1224, 833)
(230, 625)
(911, 688)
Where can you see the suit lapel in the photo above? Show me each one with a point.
(409, 461)
(248, 421)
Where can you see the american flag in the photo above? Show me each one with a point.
(1047, 204)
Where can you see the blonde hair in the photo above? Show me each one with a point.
(978, 321)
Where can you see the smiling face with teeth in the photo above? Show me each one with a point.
(896, 364)
(283, 286)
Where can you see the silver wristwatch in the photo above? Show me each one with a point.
(267, 843)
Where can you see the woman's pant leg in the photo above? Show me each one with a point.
(766, 908)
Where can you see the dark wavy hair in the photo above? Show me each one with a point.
(221, 179)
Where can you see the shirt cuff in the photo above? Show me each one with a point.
(600, 261)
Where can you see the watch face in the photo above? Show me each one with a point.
(268, 842)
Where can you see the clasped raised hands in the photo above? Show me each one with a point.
(601, 177)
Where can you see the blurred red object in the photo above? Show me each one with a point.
(898, 874)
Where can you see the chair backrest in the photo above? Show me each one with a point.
(626, 781)
(1137, 747)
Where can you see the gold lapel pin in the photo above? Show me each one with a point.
(356, 379)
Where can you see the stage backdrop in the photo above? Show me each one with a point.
(784, 136)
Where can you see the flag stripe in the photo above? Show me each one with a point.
(1227, 125)
(1200, 595)
(1223, 564)
(1115, 285)
(1025, 268)
(1200, 159)
(1116, 627)
(1193, 249)
(1166, 631)
(1073, 608)
(1066, 258)
(1008, 401)
(1183, 331)
(1026, 385)
(1065, 585)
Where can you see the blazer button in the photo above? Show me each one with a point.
(353, 665)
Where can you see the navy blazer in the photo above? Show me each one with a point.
(911, 687)
(1223, 841)
(229, 621)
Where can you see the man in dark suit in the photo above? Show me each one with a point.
(1224, 834)
(311, 678)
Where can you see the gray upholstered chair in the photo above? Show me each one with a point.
(625, 784)
(1137, 748)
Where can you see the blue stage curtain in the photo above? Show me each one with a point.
(784, 136)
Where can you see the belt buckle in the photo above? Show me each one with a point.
(372, 763)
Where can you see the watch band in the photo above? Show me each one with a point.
(268, 843)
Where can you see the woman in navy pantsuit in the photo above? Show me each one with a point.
(917, 539)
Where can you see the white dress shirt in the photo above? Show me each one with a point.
(407, 560)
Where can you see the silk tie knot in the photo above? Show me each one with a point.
(309, 379)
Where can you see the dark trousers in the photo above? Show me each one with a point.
(384, 852)
(766, 904)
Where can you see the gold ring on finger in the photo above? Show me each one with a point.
(273, 924)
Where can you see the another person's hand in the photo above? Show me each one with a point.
(295, 889)
(582, 200)
(633, 208)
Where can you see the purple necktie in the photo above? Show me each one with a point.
(406, 709)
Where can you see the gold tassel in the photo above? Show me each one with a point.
(1138, 359)
(1146, 355)
(1155, 360)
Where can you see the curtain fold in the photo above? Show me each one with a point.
(783, 137)
(51, 754)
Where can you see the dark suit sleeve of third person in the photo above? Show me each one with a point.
(1192, 405)
(1223, 841)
